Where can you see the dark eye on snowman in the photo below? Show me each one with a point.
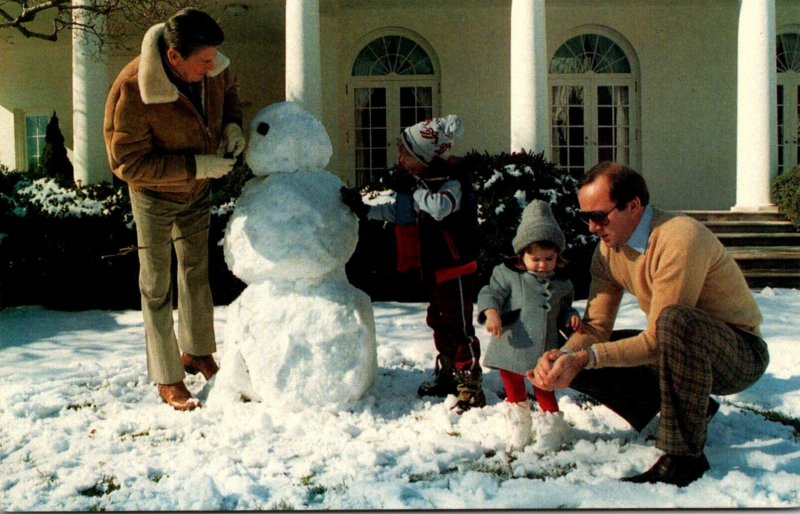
(263, 128)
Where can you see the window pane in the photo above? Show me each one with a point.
(415, 105)
(392, 54)
(787, 52)
(35, 130)
(370, 131)
(589, 52)
(605, 154)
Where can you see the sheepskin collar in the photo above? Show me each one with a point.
(154, 84)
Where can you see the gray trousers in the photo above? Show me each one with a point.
(159, 221)
(699, 355)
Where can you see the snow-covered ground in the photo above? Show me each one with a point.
(81, 428)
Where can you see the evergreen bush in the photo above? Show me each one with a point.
(73, 247)
(786, 194)
(66, 247)
(504, 184)
(54, 161)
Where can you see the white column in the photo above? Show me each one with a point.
(303, 76)
(756, 128)
(89, 91)
(530, 116)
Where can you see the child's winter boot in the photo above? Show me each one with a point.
(443, 382)
(470, 393)
(518, 421)
(552, 430)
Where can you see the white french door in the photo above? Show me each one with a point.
(382, 109)
(592, 121)
(788, 121)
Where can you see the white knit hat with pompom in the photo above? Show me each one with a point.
(432, 138)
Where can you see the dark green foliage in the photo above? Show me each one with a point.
(504, 183)
(57, 252)
(786, 194)
(53, 161)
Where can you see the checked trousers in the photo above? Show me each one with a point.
(699, 355)
(158, 222)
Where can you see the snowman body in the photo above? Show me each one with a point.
(300, 333)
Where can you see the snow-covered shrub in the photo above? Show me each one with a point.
(504, 184)
(73, 247)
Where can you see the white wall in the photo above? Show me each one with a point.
(8, 157)
(36, 78)
(687, 91)
(474, 78)
(686, 50)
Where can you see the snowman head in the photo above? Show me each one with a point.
(284, 138)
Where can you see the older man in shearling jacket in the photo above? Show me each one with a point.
(172, 122)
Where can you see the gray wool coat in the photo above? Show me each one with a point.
(532, 309)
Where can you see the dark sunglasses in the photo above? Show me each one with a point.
(598, 217)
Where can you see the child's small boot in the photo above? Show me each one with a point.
(552, 430)
(518, 421)
(443, 382)
(470, 392)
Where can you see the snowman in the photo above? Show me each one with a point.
(299, 334)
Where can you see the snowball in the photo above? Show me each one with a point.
(285, 139)
(290, 227)
(299, 334)
(305, 347)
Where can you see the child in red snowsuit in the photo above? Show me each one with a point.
(435, 221)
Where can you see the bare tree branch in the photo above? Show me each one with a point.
(103, 21)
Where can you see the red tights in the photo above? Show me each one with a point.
(516, 392)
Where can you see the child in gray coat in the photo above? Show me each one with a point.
(524, 306)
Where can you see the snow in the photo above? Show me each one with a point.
(296, 140)
(300, 333)
(333, 420)
(290, 226)
(83, 429)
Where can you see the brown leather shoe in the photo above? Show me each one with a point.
(177, 396)
(205, 364)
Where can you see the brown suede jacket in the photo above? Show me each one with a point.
(152, 132)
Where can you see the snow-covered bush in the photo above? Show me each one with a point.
(504, 184)
(73, 247)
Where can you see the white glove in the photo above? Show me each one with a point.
(211, 166)
(232, 140)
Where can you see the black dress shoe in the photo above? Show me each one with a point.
(680, 470)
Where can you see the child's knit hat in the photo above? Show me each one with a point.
(537, 224)
(432, 138)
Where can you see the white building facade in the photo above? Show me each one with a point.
(701, 96)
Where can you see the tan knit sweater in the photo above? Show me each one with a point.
(684, 263)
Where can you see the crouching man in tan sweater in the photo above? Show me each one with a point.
(702, 334)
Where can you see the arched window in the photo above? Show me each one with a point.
(392, 54)
(394, 84)
(593, 103)
(787, 56)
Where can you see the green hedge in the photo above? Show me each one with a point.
(65, 248)
(62, 247)
(786, 194)
(504, 184)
